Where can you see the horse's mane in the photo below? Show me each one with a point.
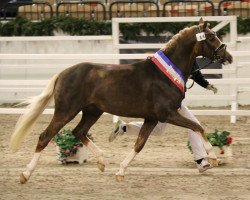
(176, 38)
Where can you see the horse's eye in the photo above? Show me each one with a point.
(211, 36)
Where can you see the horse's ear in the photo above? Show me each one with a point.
(205, 25)
(201, 21)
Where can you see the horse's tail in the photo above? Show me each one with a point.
(35, 108)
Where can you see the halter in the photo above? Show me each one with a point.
(201, 37)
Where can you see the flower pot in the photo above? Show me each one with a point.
(225, 154)
(80, 156)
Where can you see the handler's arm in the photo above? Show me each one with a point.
(199, 79)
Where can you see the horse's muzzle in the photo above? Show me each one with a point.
(222, 55)
(228, 59)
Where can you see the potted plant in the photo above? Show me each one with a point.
(221, 141)
(69, 149)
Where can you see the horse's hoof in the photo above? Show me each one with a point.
(23, 179)
(101, 166)
(214, 162)
(119, 177)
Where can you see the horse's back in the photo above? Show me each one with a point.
(132, 90)
(108, 86)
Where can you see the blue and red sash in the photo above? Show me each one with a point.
(169, 69)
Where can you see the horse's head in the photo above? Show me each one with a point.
(210, 45)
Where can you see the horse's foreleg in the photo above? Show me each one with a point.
(185, 112)
(144, 133)
(96, 151)
(81, 130)
(212, 158)
(179, 120)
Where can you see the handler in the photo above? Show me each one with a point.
(202, 151)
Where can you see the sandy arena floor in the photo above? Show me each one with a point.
(163, 170)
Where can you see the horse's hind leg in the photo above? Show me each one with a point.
(89, 117)
(54, 127)
(144, 133)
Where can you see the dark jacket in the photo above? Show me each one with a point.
(199, 78)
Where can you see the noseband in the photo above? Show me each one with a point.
(216, 56)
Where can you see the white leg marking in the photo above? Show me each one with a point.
(207, 145)
(124, 164)
(31, 166)
(96, 151)
(209, 149)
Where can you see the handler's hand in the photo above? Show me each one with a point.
(211, 87)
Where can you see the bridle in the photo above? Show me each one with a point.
(216, 58)
(202, 38)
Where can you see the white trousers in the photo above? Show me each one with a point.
(195, 139)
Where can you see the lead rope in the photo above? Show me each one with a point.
(190, 86)
(193, 72)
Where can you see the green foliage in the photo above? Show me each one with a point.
(13, 28)
(75, 26)
(130, 31)
(217, 138)
(133, 30)
(69, 25)
(243, 25)
(79, 26)
(67, 143)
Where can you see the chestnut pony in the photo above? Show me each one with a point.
(138, 90)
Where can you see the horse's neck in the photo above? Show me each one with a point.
(183, 61)
(183, 54)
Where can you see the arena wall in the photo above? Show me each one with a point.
(98, 45)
